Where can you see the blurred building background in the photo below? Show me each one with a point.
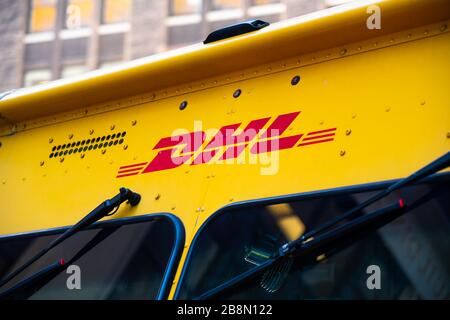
(43, 40)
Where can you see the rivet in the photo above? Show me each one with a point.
(295, 80)
(4, 181)
(133, 123)
(343, 52)
(342, 153)
(443, 27)
(112, 127)
(231, 199)
(125, 147)
(198, 210)
(82, 155)
(187, 171)
(61, 159)
(70, 136)
(24, 178)
(50, 140)
(359, 48)
(387, 109)
(103, 151)
(237, 93)
(202, 209)
(173, 208)
(42, 163)
(348, 132)
(354, 116)
(91, 131)
(422, 103)
(425, 32)
(321, 122)
(157, 196)
(448, 135)
(183, 105)
(409, 35)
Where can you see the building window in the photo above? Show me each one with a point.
(263, 2)
(110, 64)
(42, 15)
(116, 11)
(180, 7)
(79, 13)
(35, 77)
(73, 70)
(225, 4)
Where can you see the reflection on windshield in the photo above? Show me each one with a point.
(411, 253)
(115, 262)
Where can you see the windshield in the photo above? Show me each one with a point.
(406, 259)
(124, 259)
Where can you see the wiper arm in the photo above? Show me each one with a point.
(27, 287)
(325, 243)
(108, 207)
(302, 246)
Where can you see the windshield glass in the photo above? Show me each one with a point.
(407, 259)
(122, 260)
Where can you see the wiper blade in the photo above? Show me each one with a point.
(31, 284)
(300, 243)
(36, 281)
(108, 207)
(326, 243)
(433, 167)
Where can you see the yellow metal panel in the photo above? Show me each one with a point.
(393, 100)
(387, 97)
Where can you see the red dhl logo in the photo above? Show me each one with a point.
(177, 150)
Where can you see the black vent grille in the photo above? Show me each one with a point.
(91, 144)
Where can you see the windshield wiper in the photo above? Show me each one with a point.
(107, 208)
(319, 241)
(33, 283)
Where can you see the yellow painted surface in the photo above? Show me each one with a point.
(387, 96)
